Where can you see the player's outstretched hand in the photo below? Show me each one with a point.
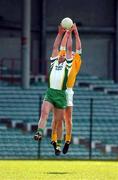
(69, 31)
(61, 30)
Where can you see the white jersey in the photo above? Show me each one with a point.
(59, 73)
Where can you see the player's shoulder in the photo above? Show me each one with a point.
(52, 58)
(76, 56)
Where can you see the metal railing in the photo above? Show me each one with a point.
(10, 68)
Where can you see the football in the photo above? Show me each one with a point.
(67, 23)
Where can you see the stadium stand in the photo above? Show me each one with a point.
(20, 109)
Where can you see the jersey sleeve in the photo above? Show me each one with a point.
(79, 51)
(52, 59)
(76, 64)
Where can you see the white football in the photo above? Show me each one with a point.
(66, 23)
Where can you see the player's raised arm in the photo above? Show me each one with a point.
(64, 41)
(57, 41)
(77, 39)
(69, 46)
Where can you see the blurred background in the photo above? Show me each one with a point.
(27, 32)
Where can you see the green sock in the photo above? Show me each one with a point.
(40, 130)
(59, 142)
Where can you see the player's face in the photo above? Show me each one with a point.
(61, 58)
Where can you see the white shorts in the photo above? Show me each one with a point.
(69, 96)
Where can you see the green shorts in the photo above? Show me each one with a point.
(56, 97)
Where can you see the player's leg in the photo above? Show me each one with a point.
(68, 119)
(56, 136)
(54, 133)
(68, 125)
(45, 109)
(58, 116)
(59, 131)
(56, 130)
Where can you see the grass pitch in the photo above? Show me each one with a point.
(58, 169)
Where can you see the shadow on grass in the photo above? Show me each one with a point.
(58, 173)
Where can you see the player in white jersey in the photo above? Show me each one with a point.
(57, 129)
(55, 97)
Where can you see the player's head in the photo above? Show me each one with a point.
(62, 55)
